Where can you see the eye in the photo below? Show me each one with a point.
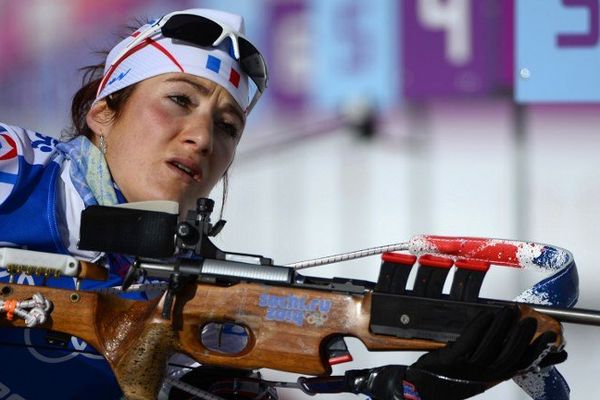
(228, 128)
(181, 100)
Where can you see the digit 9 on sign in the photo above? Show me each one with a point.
(589, 38)
(454, 18)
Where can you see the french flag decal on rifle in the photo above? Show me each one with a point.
(214, 64)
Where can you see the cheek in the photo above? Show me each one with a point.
(127, 152)
(147, 130)
(137, 144)
(223, 155)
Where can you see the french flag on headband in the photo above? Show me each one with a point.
(214, 64)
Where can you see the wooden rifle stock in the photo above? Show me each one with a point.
(287, 328)
(128, 333)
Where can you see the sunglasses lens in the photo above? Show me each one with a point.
(253, 63)
(203, 32)
(192, 28)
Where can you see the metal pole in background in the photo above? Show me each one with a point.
(419, 168)
(521, 173)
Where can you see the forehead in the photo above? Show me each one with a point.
(201, 85)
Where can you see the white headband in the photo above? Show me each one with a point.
(159, 55)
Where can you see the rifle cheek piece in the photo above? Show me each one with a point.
(127, 230)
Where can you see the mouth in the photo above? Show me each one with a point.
(188, 171)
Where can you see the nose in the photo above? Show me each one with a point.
(198, 135)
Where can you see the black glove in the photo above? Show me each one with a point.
(490, 349)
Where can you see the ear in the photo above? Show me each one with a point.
(99, 119)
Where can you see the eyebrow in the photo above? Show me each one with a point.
(201, 88)
(204, 90)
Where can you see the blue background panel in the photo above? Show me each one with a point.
(554, 73)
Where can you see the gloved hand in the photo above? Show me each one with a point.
(382, 383)
(490, 349)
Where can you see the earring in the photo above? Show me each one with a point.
(102, 144)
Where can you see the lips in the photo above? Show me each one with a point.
(186, 168)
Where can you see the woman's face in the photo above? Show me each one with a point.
(174, 140)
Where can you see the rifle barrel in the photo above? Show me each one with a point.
(572, 315)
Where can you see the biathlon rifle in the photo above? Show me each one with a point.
(210, 292)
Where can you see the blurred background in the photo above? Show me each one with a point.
(384, 119)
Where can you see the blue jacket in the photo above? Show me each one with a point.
(39, 210)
